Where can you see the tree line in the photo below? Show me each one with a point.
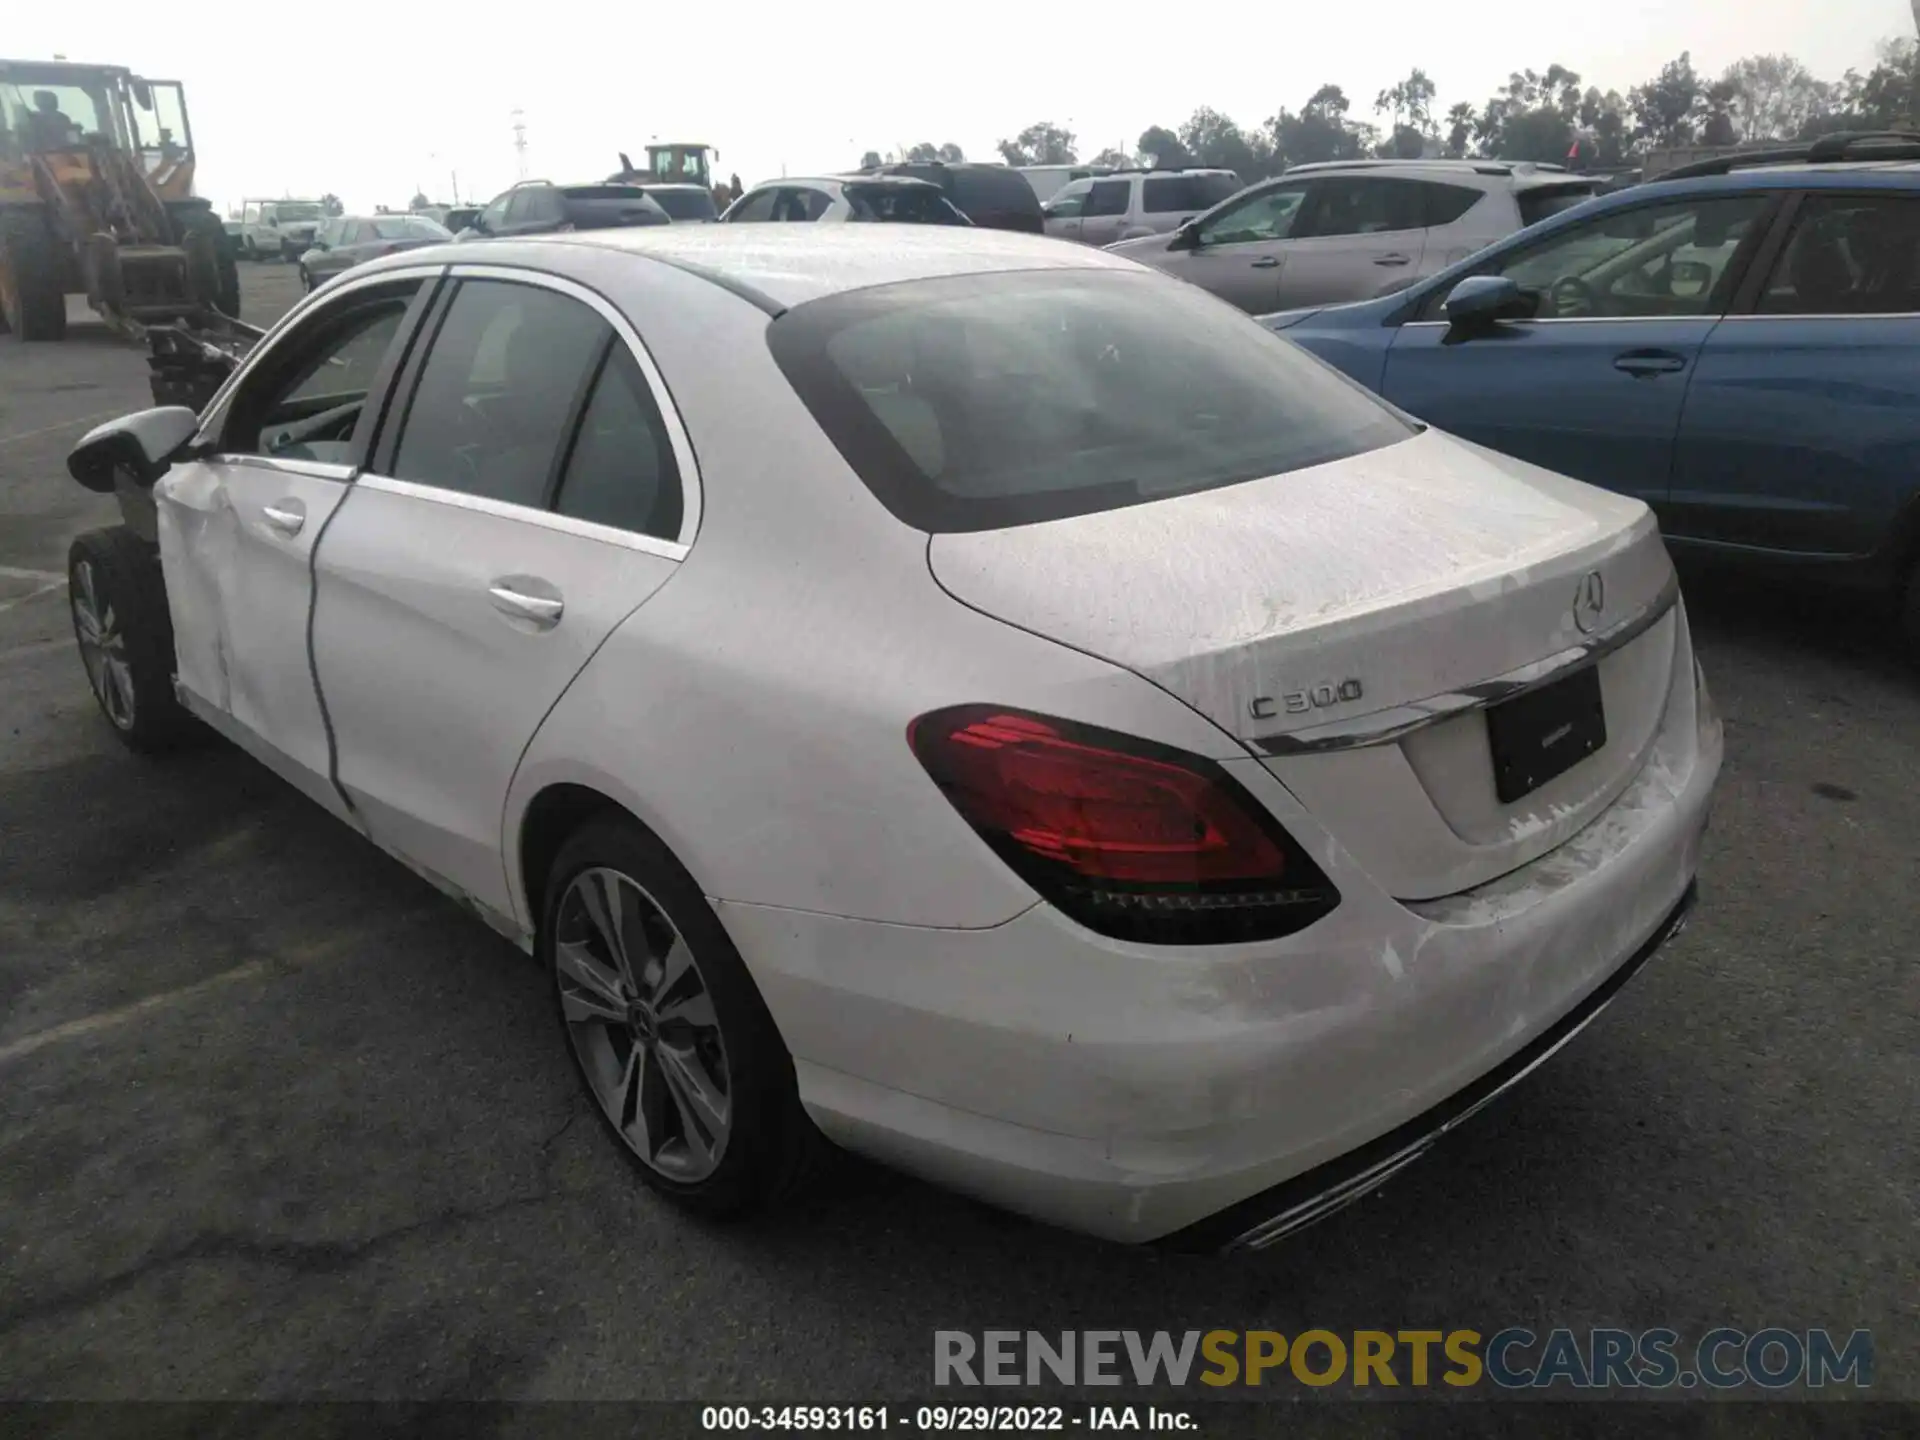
(1541, 115)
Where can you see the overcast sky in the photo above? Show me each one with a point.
(369, 99)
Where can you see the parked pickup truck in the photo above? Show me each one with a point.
(279, 229)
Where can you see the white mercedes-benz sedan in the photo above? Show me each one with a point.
(958, 694)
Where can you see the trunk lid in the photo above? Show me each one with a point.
(1358, 597)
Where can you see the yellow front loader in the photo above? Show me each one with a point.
(96, 199)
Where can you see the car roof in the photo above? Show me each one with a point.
(792, 264)
(1788, 175)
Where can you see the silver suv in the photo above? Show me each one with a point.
(1351, 230)
(1101, 209)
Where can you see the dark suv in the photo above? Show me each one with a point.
(538, 207)
(994, 196)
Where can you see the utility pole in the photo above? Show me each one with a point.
(520, 141)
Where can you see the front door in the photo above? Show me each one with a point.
(1593, 387)
(1064, 211)
(238, 529)
(1237, 251)
(527, 502)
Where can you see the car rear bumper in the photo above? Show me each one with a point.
(1134, 1091)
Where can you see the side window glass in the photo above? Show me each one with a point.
(498, 391)
(1653, 260)
(1108, 197)
(818, 203)
(757, 206)
(1366, 207)
(307, 409)
(1068, 204)
(1270, 215)
(495, 215)
(1447, 203)
(1848, 255)
(622, 471)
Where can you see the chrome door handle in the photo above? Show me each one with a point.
(509, 599)
(1391, 260)
(1265, 262)
(287, 516)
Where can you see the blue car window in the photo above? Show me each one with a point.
(1849, 255)
(1650, 261)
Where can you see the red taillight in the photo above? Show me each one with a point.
(1131, 838)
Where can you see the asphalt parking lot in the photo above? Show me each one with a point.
(277, 1120)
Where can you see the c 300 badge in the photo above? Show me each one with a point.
(1303, 702)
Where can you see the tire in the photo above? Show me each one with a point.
(252, 250)
(763, 1148)
(120, 622)
(210, 263)
(33, 297)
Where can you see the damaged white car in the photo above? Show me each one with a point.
(965, 697)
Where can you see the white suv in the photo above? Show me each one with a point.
(1351, 230)
(1104, 208)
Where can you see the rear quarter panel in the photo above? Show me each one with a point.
(754, 712)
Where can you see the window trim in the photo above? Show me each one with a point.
(691, 484)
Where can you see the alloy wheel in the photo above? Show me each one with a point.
(642, 1024)
(103, 647)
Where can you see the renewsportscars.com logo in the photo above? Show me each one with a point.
(1511, 1359)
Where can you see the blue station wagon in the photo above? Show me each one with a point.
(1740, 349)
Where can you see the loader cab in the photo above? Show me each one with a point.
(53, 107)
(681, 163)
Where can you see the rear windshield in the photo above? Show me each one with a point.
(604, 192)
(987, 194)
(981, 401)
(903, 204)
(409, 227)
(1185, 194)
(1537, 205)
(607, 207)
(685, 204)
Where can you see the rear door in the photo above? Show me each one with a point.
(1359, 236)
(1801, 431)
(527, 491)
(1594, 386)
(238, 530)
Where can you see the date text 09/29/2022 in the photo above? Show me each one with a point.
(988, 1419)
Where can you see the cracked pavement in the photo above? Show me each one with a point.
(277, 1120)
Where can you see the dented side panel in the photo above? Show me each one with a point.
(237, 538)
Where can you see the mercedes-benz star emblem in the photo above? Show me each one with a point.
(1589, 601)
